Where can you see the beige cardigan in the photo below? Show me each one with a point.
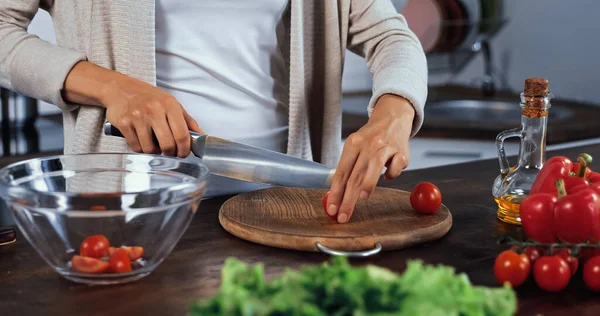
(119, 35)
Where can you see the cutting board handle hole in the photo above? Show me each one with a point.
(363, 253)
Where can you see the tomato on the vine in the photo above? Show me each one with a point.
(573, 262)
(533, 254)
(426, 198)
(551, 273)
(94, 247)
(586, 253)
(512, 267)
(591, 273)
(119, 261)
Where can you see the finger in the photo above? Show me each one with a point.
(395, 166)
(130, 135)
(341, 175)
(373, 172)
(192, 124)
(144, 133)
(353, 189)
(163, 133)
(181, 134)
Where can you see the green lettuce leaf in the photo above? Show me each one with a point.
(339, 289)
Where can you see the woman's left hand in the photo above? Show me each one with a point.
(382, 142)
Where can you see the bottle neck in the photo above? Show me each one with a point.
(534, 123)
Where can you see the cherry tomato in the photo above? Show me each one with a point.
(551, 273)
(88, 265)
(134, 252)
(591, 273)
(512, 267)
(325, 207)
(119, 261)
(94, 247)
(573, 262)
(586, 253)
(533, 254)
(426, 198)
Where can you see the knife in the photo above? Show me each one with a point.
(252, 164)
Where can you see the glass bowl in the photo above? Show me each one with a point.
(134, 200)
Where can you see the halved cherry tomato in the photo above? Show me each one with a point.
(324, 202)
(591, 273)
(88, 265)
(551, 273)
(94, 247)
(573, 262)
(512, 267)
(119, 261)
(134, 252)
(426, 198)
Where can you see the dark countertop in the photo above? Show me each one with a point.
(29, 286)
(582, 125)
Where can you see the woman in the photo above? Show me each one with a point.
(264, 72)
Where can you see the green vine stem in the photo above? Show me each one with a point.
(560, 187)
(575, 248)
(584, 160)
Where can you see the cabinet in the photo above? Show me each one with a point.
(432, 152)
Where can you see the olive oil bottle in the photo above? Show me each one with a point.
(514, 182)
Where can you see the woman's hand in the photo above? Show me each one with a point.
(136, 108)
(140, 110)
(382, 142)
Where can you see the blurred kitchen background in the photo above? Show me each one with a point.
(479, 54)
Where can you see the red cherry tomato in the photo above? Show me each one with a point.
(512, 267)
(134, 252)
(426, 198)
(119, 261)
(591, 273)
(573, 262)
(588, 253)
(533, 254)
(94, 247)
(324, 201)
(551, 273)
(88, 265)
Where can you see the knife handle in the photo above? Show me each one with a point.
(111, 130)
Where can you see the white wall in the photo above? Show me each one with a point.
(555, 39)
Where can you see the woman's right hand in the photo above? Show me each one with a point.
(136, 108)
(140, 109)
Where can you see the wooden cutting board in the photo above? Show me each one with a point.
(293, 218)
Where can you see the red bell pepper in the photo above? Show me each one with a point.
(560, 167)
(572, 218)
(537, 217)
(577, 215)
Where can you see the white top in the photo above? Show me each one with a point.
(224, 63)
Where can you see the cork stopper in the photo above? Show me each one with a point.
(536, 87)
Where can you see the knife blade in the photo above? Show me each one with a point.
(252, 164)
